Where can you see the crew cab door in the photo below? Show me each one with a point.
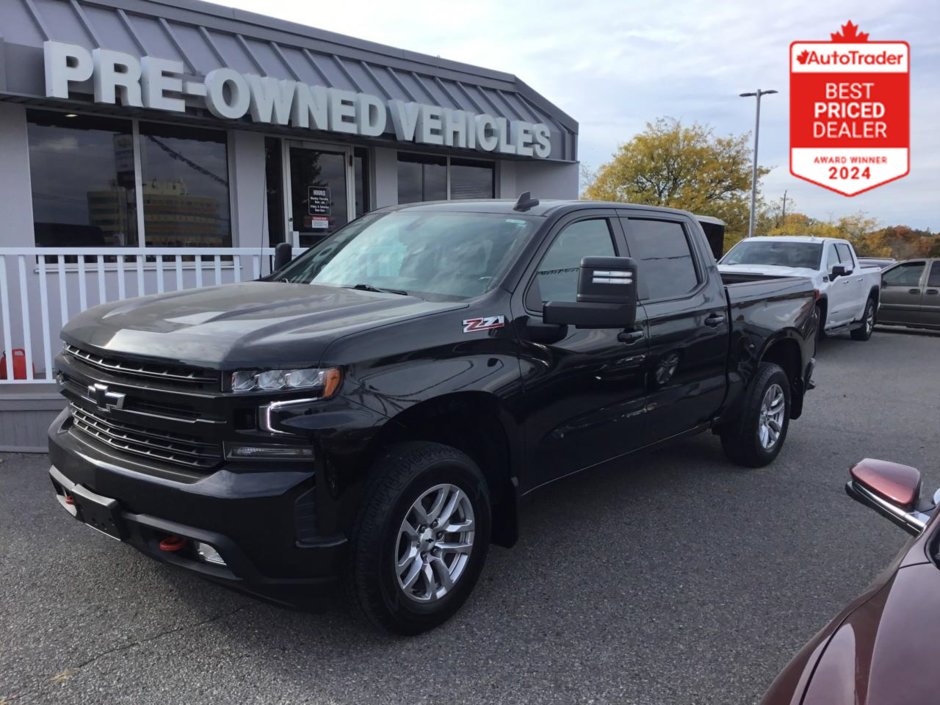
(584, 388)
(902, 293)
(843, 290)
(687, 318)
(857, 283)
(929, 314)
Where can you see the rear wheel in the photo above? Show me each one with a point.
(421, 537)
(864, 331)
(756, 436)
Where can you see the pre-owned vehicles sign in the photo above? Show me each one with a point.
(849, 111)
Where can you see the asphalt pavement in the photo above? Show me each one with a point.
(671, 578)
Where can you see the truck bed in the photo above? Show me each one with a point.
(744, 289)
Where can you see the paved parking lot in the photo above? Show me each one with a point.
(672, 578)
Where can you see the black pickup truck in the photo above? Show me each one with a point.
(373, 411)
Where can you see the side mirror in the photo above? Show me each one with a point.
(283, 253)
(892, 490)
(839, 270)
(606, 296)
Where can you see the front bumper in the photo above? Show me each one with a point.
(262, 519)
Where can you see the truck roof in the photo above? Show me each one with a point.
(545, 207)
(795, 238)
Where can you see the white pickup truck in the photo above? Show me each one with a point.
(846, 292)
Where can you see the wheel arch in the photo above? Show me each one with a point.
(785, 352)
(477, 424)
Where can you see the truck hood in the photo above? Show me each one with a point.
(771, 269)
(255, 323)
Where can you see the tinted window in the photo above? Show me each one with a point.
(832, 257)
(934, 279)
(664, 259)
(904, 275)
(844, 254)
(421, 178)
(779, 253)
(185, 185)
(558, 270)
(469, 179)
(83, 183)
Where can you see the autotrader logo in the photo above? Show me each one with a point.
(851, 57)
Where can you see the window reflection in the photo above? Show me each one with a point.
(82, 176)
(184, 174)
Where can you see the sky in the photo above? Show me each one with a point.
(616, 65)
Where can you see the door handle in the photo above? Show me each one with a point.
(629, 337)
(932, 292)
(913, 291)
(715, 319)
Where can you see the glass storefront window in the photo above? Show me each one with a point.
(184, 175)
(274, 177)
(471, 179)
(421, 178)
(425, 178)
(82, 175)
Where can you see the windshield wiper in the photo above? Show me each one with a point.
(369, 287)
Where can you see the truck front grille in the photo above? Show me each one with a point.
(173, 374)
(176, 448)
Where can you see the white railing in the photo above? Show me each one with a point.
(41, 288)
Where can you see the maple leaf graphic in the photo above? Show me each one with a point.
(849, 33)
(803, 56)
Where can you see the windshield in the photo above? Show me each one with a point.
(443, 255)
(805, 255)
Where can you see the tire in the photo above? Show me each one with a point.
(864, 331)
(821, 325)
(749, 439)
(404, 476)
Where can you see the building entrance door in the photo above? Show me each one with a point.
(319, 196)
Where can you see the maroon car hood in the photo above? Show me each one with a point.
(883, 653)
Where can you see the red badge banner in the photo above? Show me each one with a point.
(849, 111)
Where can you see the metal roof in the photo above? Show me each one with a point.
(205, 37)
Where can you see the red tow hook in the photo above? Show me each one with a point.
(173, 543)
(69, 499)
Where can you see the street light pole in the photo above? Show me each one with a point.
(757, 94)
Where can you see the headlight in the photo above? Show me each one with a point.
(324, 381)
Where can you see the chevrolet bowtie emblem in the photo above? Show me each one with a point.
(104, 399)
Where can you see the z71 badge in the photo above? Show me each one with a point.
(473, 325)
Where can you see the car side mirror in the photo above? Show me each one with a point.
(839, 270)
(283, 253)
(607, 296)
(893, 490)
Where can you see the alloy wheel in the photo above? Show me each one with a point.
(434, 544)
(772, 410)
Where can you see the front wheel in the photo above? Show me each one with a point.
(864, 331)
(756, 436)
(421, 537)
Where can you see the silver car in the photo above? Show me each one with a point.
(910, 294)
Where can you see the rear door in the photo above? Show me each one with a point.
(686, 312)
(902, 293)
(929, 314)
(584, 388)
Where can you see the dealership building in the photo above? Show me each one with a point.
(149, 145)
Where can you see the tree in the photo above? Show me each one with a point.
(670, 164)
